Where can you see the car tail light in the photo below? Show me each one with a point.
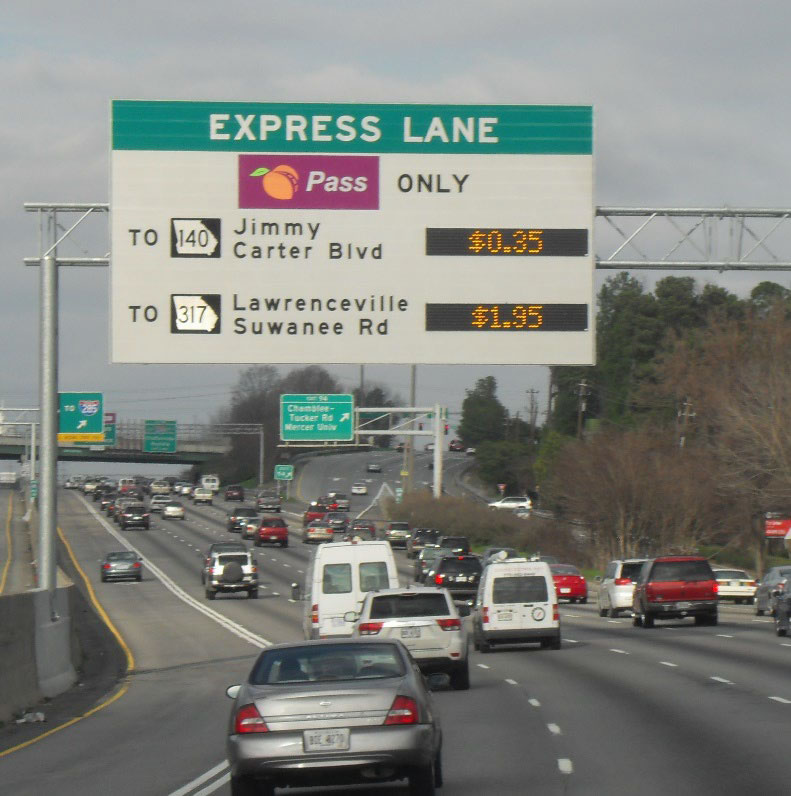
(750, 583)
(715, 587)
(370, 628)
(449, 624)
(622, 581)
(555, 613)
(248, 719)
(105, 566)
(314, 613)
(137, 565)
(438, 579)
(402, 711)
(485, 618)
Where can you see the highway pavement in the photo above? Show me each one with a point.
(617, 710)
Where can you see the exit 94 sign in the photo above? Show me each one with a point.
(245, 232)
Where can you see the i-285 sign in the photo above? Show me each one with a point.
(246, 232)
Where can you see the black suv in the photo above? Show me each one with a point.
(419, 539)
(134, 515)
(460, 575)
(459, 544)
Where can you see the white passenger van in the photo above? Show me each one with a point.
(339, 575)
(516, 603)
(211, 482)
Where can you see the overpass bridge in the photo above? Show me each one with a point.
(196, 443)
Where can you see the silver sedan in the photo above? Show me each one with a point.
(121, 565)
(333, 712)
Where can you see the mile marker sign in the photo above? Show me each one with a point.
(247, 232)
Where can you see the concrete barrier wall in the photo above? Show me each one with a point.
(38, 656)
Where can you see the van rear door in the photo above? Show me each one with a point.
(520, 600)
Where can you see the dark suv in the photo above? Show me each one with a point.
(134, 515)
(234, 492)
(460, 575)
(419, 539)
(459, 544)
(674, 587)
(240, 518)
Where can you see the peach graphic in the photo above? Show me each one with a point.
(280, 182)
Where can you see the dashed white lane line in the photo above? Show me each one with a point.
(668, 663)
(781, 700)
(723, 635)
(554, 729)
(785, 645)
(565, 766)
(620, 652)
(510, 681)
(571, 641)
(534, 702)
(721, 680)
(482, 666)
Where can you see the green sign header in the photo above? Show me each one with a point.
(357, 128)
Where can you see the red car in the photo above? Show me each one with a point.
(569, 583)
(272, 530)
(315, 511)
(234, 492)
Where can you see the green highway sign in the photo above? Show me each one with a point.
(109, 440)
(80, 417)
(284, 472)
(316, 418)
(159, 436)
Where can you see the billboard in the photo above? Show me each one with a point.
(247, 232)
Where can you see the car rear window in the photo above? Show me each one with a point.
(631, 569)
(519, 589)
(664, 571)
(232, 558)
(337, 579)
(245, 513)
(274, 522)
(399, 526)
(456, 566)
(409, 605)
(564, 569)
(333, 662)
(728, 574)
(122, 556)
(455, 541)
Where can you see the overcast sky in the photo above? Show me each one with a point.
(690, 101)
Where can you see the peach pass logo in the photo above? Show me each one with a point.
(309, 182)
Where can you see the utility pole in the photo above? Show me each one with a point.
(532, 412)
(582, 404)
(684, 415)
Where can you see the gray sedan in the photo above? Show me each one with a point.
(333, 712)
(122, 565)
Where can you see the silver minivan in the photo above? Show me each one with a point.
(516, 604)
(617, 586)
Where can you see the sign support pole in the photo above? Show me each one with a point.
(48, 445)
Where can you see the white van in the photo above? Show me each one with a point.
(339, 575)
(516, 603)
(211, 482)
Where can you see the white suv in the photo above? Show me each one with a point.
(617, 586)
(426, 621)
(513, 503)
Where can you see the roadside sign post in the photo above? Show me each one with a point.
(352, 233)
(316, 417)
(284, 472)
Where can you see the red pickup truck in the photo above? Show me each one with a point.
(674, 587)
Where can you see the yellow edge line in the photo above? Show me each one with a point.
(9, 542)
(130, 660)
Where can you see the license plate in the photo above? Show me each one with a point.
(410, 632)
(683, 605)
(273, 538)
(504, 616)
(565, 591)
(338, 621)
(322, 740)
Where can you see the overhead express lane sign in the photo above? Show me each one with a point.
(245, 232)
(316, 418)
(80, 417)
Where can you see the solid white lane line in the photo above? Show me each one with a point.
(667, 663)
(511, 682)
(620, 652)
(534, 702)
(554, 729)
(226, 777)
(781, 700)
(721, 680)
(565, 766)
